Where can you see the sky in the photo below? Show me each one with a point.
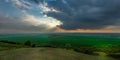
(36, 16)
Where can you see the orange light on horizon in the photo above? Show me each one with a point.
(88, 31)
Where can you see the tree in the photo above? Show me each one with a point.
(28, 43)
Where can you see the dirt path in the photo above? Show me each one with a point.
(47, 54)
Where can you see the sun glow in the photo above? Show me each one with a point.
(47, 21)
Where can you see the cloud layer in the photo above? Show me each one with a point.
(25, 20)
(28, 23)
(50, 15)
(84, 14)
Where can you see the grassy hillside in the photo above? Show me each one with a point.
(8, 46)
(92, 45)
(85, 41)
(47, 54)
(42, 38)
(12, 47)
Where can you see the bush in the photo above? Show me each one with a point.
(68, 46)
(86, 50)
(33, 45)
(115, 55)
(27, 43)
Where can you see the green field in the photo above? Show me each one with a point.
(63, 39)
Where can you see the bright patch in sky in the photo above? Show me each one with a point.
(48, 21)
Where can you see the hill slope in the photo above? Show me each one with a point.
(46, 54)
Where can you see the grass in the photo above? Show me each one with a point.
(22, 39)
(7, 46)
(46, 54)
(85, 40)
(91, 45)
(10, 47)
(65, 39)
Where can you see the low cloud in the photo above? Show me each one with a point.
(28, 23)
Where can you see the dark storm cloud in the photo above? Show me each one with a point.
(85, 14)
